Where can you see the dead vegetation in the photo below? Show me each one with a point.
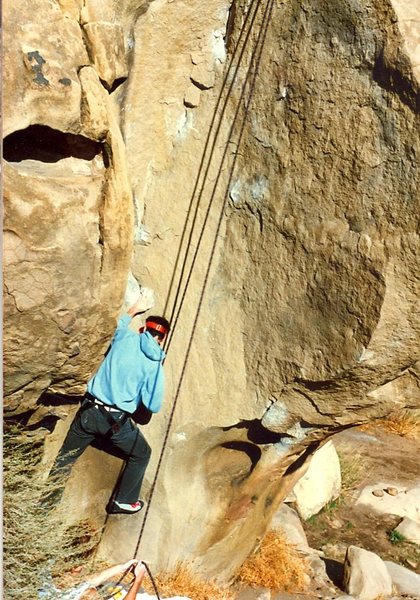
(276, 565)
(405, 423)
(36, 546)
(353, 470)
(183, 582)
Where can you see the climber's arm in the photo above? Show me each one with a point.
(139, 573)
(98, 578)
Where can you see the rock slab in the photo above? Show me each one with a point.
(404, 503)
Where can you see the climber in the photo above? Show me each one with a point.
(129, 382)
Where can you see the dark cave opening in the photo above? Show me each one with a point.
(42, 143)
(115, 84)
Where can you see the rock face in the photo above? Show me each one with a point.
(259, 170)
(68, 207)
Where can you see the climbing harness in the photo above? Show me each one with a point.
(108, 412)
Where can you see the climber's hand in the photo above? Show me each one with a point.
(130, 564)
(140, 570)
(145, 301)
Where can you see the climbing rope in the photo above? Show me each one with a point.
(251, 74)
(176, 312)
(152, 580)
(235, 63)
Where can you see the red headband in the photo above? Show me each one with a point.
(157, 327)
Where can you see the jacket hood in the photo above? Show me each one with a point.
(150, 347)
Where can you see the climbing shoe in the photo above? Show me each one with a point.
(114, 507)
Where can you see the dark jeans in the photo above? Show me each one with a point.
(90, 423)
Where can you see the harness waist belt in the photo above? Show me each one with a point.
(98, 402)
(114, 425)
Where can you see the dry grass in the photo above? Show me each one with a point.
(183, 582)
(402, 422)
(277, 565)
(353, 470)
(35, 544)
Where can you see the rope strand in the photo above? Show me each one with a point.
(256, 56)
(228, 77)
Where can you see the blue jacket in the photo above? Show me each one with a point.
(131, 372)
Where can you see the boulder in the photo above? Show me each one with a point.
(320, 484)
(365, 575)
(410, 530)
(288, 521)
(405, 581)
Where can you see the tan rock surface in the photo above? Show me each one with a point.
(314, 282)
(67, 206)
(299, 316)
(106, 43)
(408, 14)
(40, 76)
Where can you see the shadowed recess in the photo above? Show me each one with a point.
(335, 571)
(394, 80)
(252, 451)
(53, 399)
(115, 84)
(299, 462)
(39, 142)
(257, 433)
